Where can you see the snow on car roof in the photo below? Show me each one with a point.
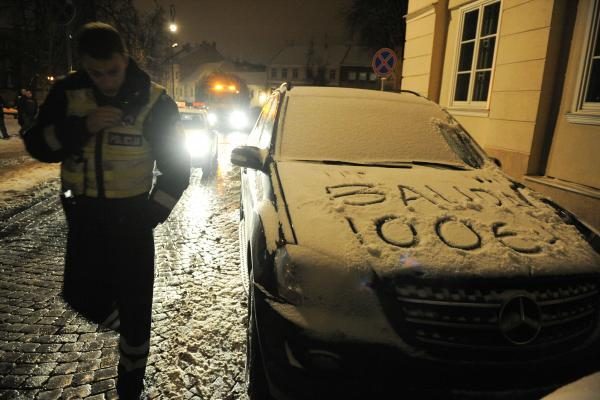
(365, 126)
(318, 91)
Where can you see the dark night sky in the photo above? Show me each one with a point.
(255, 30)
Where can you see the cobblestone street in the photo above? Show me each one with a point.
(197, 349)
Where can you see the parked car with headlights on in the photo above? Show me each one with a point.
(201, 140)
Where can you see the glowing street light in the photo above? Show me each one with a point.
(173, 27)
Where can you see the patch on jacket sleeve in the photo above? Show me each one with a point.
(124, 139)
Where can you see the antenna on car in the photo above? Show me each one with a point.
(411, 92)
(286, 86)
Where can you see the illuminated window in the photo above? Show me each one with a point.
(477, 47)
(351, 75)
(588, 100)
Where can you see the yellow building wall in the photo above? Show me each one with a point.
(575, 150)
(506, 127)
(416, 5)
(519, 120)
(420, 26)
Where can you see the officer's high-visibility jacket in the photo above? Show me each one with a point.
(118, 162)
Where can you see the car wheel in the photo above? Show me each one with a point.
(256, 380)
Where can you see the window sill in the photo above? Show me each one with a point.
(584, 119)
(564, 185)
(469, 112)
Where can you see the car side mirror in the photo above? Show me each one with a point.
(248, 157)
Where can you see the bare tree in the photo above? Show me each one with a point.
(143, 33)
(315, 65)
(378, 23)
(40, 37)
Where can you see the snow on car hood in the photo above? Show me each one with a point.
(430, 221)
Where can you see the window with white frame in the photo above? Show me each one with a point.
(477, 47)
(588, 100)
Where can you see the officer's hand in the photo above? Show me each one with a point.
(103, 117)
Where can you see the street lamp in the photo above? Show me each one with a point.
(173, 29)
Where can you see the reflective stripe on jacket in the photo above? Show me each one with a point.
(116, 162)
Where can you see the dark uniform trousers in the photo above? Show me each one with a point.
(109, 276)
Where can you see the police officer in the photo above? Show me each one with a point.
(108, 125)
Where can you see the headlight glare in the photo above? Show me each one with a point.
(212, 119)
(197, 143)
(238, 119)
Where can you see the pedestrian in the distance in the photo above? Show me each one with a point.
(29, 108)
(108, 124)
(2, 125)
(19, 100)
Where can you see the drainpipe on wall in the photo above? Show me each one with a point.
(442, 17)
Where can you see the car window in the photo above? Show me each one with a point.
(267, 129)
(254, 136)
(193, 120)
(367, 129)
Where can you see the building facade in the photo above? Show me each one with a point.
(523, 78)
(338, 65)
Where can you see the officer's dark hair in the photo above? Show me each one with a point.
(100, 41)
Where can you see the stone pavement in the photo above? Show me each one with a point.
(197, 349)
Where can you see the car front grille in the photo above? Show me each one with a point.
(487, 318)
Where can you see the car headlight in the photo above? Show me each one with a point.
(309, 277)
(288, 283)
(197, 143)
(238, 119)
(212, 119)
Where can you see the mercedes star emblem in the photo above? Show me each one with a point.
(520, 320)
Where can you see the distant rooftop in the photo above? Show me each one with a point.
(347, 55)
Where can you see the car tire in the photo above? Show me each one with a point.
(256, 381)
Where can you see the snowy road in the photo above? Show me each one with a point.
(198, 336)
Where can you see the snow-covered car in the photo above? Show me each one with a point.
(385, 251)
(201, 140)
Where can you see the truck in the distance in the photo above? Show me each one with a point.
(227, 100)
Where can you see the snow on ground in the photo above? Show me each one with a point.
(23, 180)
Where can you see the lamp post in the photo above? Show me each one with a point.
(173, 29)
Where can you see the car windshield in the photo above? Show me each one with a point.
(383, 128)
(192, 120)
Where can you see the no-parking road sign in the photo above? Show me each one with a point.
(384, 61)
